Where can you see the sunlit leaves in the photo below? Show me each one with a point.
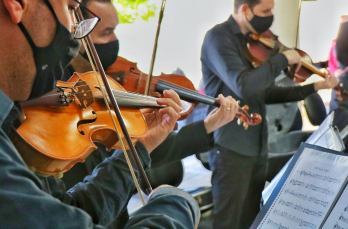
(131, 10)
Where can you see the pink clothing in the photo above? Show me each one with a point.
(332, 58)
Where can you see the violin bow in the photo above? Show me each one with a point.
(298, 24)
(149, 78)
(133, 154)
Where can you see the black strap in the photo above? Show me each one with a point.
(27, 35)
(25, 31)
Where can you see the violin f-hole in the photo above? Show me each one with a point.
(86, 121)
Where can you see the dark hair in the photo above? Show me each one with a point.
(251, 3)
(342, 45)
(86, 2)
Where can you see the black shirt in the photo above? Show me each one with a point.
(226, 70)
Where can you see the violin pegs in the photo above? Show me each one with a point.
(238, 102)
(251, 115)
(245, 126)
(245, 107)
(238, 121)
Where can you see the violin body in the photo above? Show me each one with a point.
(55, 137)
(127, 74)
(260, 47)
(135, 79)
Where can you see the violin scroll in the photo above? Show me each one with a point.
(246, 119)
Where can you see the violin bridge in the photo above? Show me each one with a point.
(83, 94)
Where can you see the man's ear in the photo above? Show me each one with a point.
(243, 8)
(16, 8)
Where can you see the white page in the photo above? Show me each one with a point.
(326, 137)
(308, 192)
(338, 218)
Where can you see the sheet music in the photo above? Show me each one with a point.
(308, 192)
(338, 218)
(326, 136)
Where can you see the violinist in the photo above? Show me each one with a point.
(107, 45)
(239, 163)
(35, 45)
(177, 145)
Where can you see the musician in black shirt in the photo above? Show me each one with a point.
(239, 163)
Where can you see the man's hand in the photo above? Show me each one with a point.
(329, 82)
(161, 122)
(222, 115)
(293, 58)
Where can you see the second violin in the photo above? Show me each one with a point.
(260, 47)
(132, 79)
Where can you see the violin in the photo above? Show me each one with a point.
(60, 127)
(132, 79)
(260, 47)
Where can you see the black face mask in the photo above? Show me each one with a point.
(261, 24)
(107, 53)
(51, 60)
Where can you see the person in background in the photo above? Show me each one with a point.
(339, 103)
(332, 60)
(239, 163)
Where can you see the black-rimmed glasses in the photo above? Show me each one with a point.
(85, 27)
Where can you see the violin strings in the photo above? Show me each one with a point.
(116, 128)
(197, 96)
(131, 99)
(120, 93)
(170, 86)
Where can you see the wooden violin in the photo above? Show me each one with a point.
(260, 47)
(132, 79)
(60, 127)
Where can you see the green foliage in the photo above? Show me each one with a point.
(130, 10)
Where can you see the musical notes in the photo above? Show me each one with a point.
(300, 222)
(346, 209)
(307, 193)
(338, 218)
(305, 197)
(344, 219)
(336, 226)
(276, 225)
(300, 208)
(319, 177)
(312, 187)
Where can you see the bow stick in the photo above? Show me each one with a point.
(149, 78)
(133, 154)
